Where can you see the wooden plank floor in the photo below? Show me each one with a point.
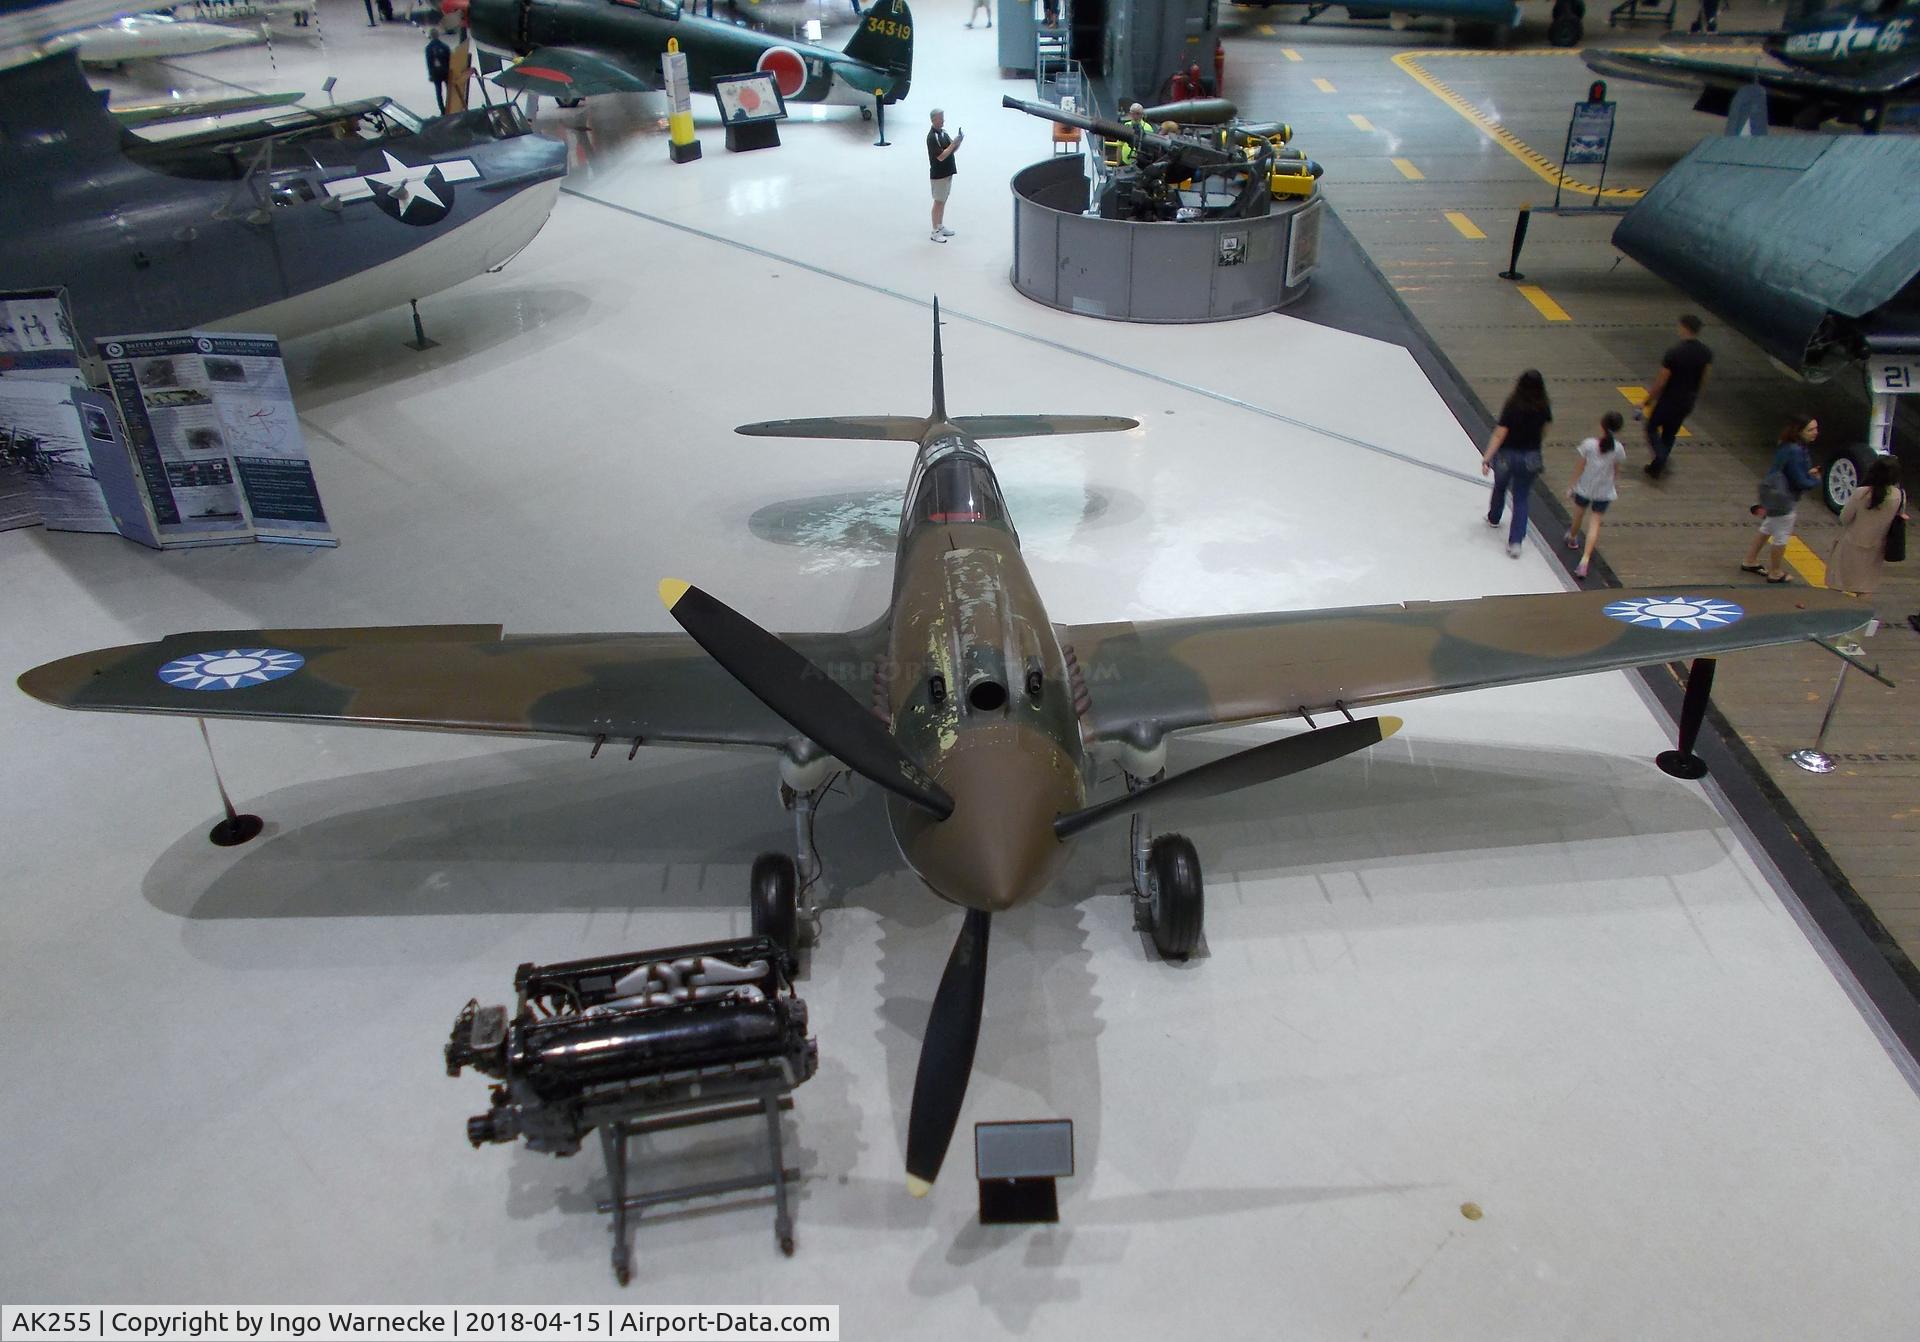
(1690, 527)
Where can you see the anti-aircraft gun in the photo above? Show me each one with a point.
(1166, 178)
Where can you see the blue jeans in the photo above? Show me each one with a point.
(1513, 471)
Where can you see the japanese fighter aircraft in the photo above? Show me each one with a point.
(1841, 62)
(978, 715)
(577, 48)
(304, 219)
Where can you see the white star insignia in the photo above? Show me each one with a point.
(407, 182)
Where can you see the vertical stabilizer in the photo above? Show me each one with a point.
(939, 376)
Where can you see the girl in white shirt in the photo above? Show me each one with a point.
(1594, 492)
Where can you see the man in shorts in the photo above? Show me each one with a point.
(941, 147)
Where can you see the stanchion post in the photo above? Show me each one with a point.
(1814, 759)
(1512, 272)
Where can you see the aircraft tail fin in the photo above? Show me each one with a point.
(891, 428)
(939, 367)
(884, 40)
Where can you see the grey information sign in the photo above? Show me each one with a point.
(1590, 137)
(1041, 1149)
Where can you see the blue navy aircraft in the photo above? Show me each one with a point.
(1830, 62)
(295, 222)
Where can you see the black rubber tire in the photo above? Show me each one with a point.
(1176, 898)
(1843, 476)
(1565, 28)
(774, 892)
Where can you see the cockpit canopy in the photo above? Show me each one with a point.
(665, 9)
(959, 487)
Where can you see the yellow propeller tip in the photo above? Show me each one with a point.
(671, 590)
(1388, 726)
(917, 1186)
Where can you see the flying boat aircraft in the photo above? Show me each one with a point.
(575, 49)
(1841, 62)
(980, 717)
(301, 220)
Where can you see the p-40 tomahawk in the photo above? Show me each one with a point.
(964, 700)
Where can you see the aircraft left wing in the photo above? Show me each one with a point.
(574, 72)
(453, 678)
(1147, 679)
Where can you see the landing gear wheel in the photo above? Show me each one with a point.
(1176, 903)
(1843, 476)
(866, 114)
(1565, 29)
(776, 910)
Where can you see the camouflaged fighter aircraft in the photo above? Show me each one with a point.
(978, 715)
(575, 49)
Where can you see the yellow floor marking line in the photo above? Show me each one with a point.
(1288, 52)
(1267, 30)
(1465, 226)
(1407, 170)
(1805, 562)
(1637, 397)
(1545, 168)
(1325, 85)
(1359, 122)
(1544, 305)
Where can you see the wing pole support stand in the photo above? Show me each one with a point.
(419, 344)
(237, 828)
(1682, 762)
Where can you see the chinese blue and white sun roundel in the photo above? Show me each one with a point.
(233, 669)
(1674, 612)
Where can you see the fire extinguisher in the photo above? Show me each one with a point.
(1219, 70)
(1179, 89)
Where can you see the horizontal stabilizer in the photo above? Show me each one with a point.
(1040, 426)
(891, 428)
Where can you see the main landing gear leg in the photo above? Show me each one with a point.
(1169, 900)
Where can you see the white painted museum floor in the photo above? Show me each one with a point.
(1500, 960)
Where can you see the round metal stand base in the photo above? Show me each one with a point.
(1679, 764)
(1813, 761)
(236, 830)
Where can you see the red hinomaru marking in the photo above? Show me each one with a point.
(542, 72)
(789, 71)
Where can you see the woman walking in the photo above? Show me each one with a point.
(1791, 475)
(1859, 556)
(1513, 453)
(1594, 492)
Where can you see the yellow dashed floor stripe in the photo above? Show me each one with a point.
(1542, 166)
(1407, 170)
(1805, 562)
(1544, 305)
(1325, 85)
(1466, 227)
(1267, 30)
(1359, 122)
(1289, 52)
(1637, 397)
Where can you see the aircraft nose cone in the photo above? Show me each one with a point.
(998, 848)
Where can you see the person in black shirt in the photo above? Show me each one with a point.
(1513, 453)
(941, 147)
(1683, 371)
(439, 65)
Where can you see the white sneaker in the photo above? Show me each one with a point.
(945, 232)
(1513, 552)
(937, 236)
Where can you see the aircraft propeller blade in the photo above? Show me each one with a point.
(946, 1055)
(1261, 764)
(802, 694)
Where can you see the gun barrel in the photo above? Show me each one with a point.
(1112, 130)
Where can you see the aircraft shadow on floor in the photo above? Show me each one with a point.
(679, 830)
(863, 526)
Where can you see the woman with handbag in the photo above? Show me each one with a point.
(1513, 453)
(1791, 475)
(1876, 508)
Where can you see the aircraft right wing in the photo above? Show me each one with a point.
(452, 678)
(574, 72)
(1690, 72)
